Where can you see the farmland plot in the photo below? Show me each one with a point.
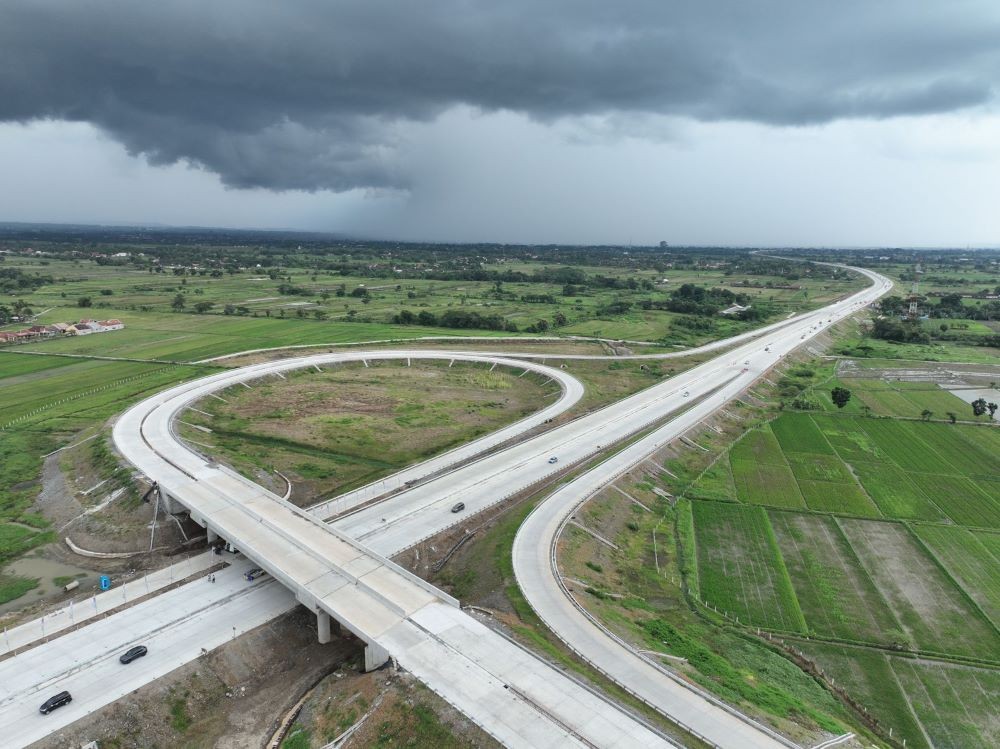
(851, 442)
(896, 496)
(901, 442)
(959, 448)
(740, 569)
(888, 403)
(15, 365)
(990, 541)
(961, 499)
(758, 446)
(868, 676)
(765, 484)
(969, 562)
(798, 433)
(930, 607)
(828, 486)
(715, 483)
(835, 594)
(957, 706)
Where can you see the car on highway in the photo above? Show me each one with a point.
(132, 653)
(459, 507)
(253, 574)
(553, 459)
(686, 393)
(55, 701)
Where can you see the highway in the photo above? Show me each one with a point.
(176, 626)
(410, 515)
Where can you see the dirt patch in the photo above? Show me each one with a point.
(386, 708)
(76, 509)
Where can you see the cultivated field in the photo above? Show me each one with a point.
(740, 568)
(934, 613)
(925, 703)
(969, 562)
(835, 594)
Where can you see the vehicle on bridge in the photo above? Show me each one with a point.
(459, 507)
(55, 701)
(132, 653)
(553, 459)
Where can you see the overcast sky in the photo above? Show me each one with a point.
(856, 122)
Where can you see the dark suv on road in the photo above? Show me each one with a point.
(57, 700)
(132, 653)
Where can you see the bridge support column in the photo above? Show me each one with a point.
(169, 504)
(212, 536)
(323, 626)
(375, 657)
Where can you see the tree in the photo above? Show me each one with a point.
(979, 406)
(840, 396)
(203, 307)
(229, 309)
(951, 415)
(992, 407)
(926, 414)
(84, 301)
(178, 303)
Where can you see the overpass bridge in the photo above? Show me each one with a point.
(513, 695)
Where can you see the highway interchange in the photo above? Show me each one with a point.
(515, 696)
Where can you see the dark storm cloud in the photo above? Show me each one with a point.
(317, 94)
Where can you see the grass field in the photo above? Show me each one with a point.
(932, 610)
(835, 594)
(969, 563)
(188, 338)
(335, 430)
(740, 568)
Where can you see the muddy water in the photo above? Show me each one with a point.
(45, 570)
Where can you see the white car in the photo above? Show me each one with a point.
(553, 459)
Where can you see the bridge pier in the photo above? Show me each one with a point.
(323, 627)
(170, 505)
(212, 536)
(375, 657)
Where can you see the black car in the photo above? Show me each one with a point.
(459, 507)
(57, 700)
(132, 653)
